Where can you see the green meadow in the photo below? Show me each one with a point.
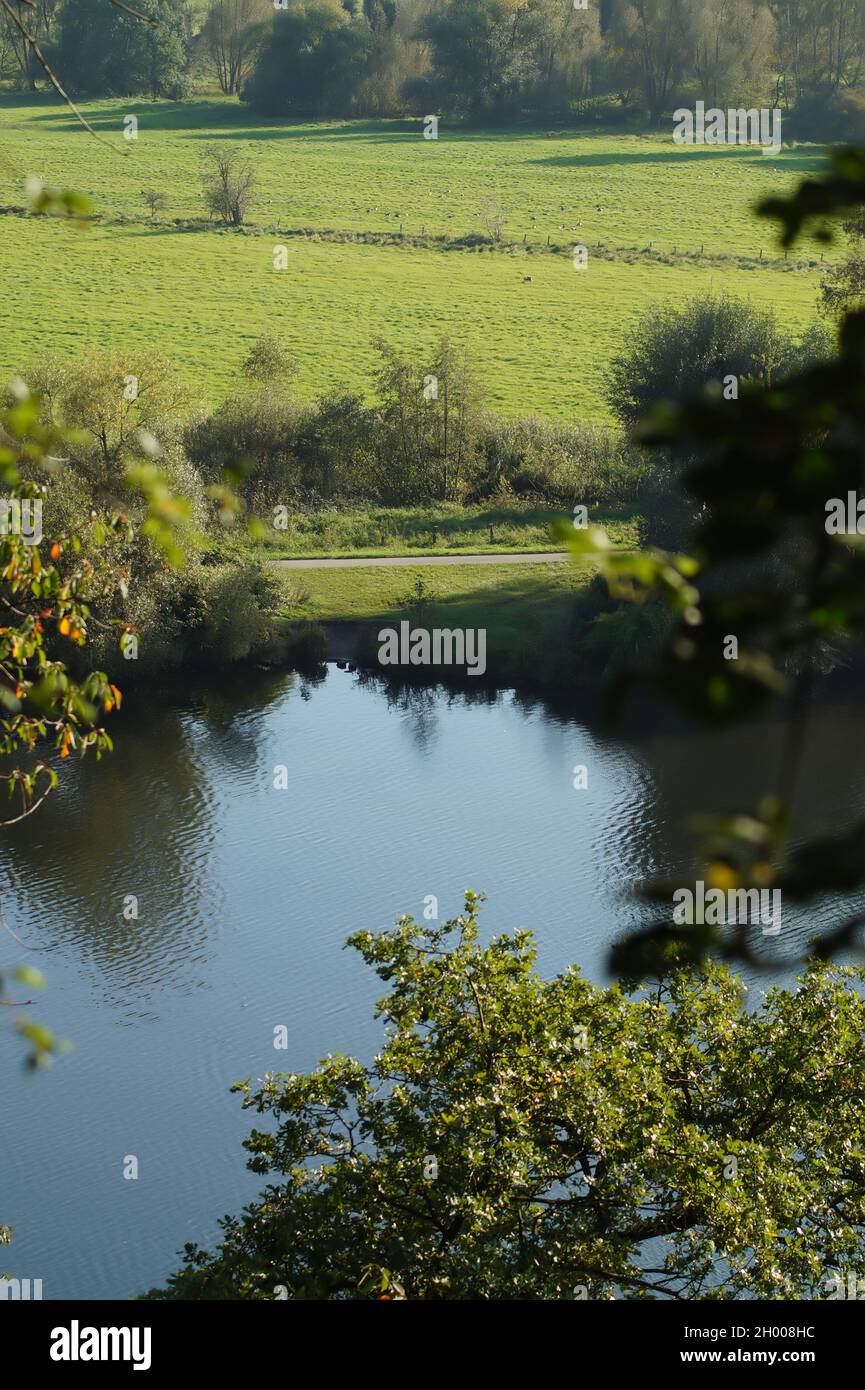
(203, 295)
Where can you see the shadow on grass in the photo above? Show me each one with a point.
(431, 530)
(213, 119)
(532, 631)
(477, 521)
(231, 120)
(521, 604)
(385, 129)
(422, 524)
(370, 132)
(106, 114)
(791, 160)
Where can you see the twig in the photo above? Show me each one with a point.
(118, 4)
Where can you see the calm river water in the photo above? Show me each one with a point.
(247, 894)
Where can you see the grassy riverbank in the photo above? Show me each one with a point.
(540, 621)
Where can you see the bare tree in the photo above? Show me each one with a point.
(228, 182)
(493, 217)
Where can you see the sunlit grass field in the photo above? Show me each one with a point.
(202, 295)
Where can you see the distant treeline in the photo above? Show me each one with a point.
(502, 60)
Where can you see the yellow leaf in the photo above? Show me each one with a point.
(719, 875)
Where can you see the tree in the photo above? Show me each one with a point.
(228, 182)
(155, 201)
(252, 435)
(41, 705)
(113, 396)
(715, 342)
(380, 14)
(35, 17)
(269, 365)
(198, 601)
(278, 452)
(430, 424)
(565, 45)
(522, 1138)
(313, 60)
(494, 218)
(56, 584)
(844, 286)
(674, 350)
(103, 51)
(734, 49)
(233, 34)
(821, 48)
(475, 51)
(654, 41)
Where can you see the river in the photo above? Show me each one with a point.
(246, 894)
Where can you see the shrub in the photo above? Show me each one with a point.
(562, 464)
(305, 646)
(427, 440)
(254, 434)
(229, 611)
(673, 353)
(675, 350)
(227, 185)
(429, 425)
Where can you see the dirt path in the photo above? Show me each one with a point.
(541, 558)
